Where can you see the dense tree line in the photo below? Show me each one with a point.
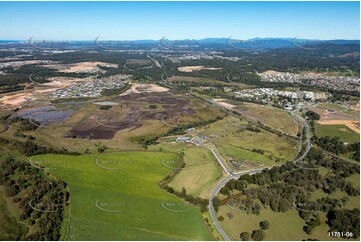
(197, 201)
(345, 220)
(25, 124)
(312, 115)
(335, 145)
(34, 192)
(30, 148)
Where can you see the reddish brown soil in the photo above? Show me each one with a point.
(105, 124)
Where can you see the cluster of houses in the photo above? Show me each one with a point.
(332, 82)
(198, 56)
(91, 88)
(262, 93)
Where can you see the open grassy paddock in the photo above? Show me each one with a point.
(201, 171)
(270, 116)
(116, 197)
(237, 144)
(284, 225)
(345, 133)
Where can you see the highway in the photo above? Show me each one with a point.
(155, 61)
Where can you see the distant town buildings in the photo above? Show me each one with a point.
(315, 79)
(263, 93)
(12, 64)
(177, 58)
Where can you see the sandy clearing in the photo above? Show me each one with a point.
(80, 67)
(270, 72)
(141, 88)
(19, 98)
(61, 82)
(352, 124)
(196, 68)
(223, 103)
(356, 107)
(15, 99)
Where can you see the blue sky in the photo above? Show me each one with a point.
(178, 20)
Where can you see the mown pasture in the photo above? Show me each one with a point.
(201, 171)
(117, 197)
(345, 133)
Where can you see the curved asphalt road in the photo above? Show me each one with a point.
(233, 175)
(305, 125)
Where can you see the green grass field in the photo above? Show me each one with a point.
(200, 174)
(273, 145)
(271, 116)
(249, 158)
(345, 133)
(125, 202)
(201, 171)
(235, 143)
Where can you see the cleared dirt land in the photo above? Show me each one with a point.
(80, 67)
(196, 68)
(20, 98)
(144, 88)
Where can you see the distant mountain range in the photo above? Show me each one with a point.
(261, 43)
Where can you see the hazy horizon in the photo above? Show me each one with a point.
(83, 21)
